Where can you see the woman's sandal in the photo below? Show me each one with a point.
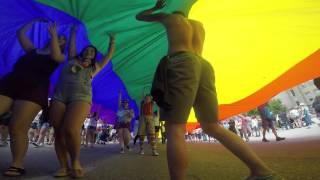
(14, 172)
(62, 173)
(77, 173)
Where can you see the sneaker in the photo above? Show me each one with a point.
(129, 149)
(141, 152)
(280, 138)
(38, 145)
(265, 140)
(121, 151)
(35, 144)
(3, 144)
(155, 153)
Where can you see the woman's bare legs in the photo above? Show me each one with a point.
(56, 115)
(75, 115)
(22, 115)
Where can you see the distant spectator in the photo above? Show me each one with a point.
(267, 122)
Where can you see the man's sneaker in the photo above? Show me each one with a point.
(141, 152)
(280, 138)
(265, 140)
(121, 151)
(155, 153)
(3, 144)
(36, 145)
(128, 147)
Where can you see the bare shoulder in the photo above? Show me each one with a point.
(169, 18)
(196, 24)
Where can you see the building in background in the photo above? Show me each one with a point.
(303, 93)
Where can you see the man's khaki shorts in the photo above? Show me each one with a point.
(182, 81)
(146, 126)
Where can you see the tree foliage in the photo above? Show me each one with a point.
(276, 106)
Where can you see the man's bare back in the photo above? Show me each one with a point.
(183, 34)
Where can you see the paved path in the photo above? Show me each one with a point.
(296, 158)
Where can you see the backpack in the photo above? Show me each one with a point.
(268, 114)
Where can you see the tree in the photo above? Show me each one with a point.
(276, 106)
(253, 112)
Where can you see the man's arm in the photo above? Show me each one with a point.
(147, 15)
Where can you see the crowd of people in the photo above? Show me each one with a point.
(246, 126)
(183, 79)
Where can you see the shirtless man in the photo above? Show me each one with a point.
(184, 80)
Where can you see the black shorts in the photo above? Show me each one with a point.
(157, 129)
(92, 127)
(5, 121)
(29, 89)
(123, 125)
(34, 125)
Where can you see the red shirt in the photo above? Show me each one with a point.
(147, 109)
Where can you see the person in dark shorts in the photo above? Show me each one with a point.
(44, 126)
(91, 129)
(267, 122)
(184, 80)
(25, 89)
(232, 126)
(124, 117)
(33, 132)
(4, 123)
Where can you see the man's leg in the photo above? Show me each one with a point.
(141, 133)
(121, 139)
(127, 137)
(176, 150)
(264, 130)
(141, 142)
(236, 145)
(151, 135)
(276, 134)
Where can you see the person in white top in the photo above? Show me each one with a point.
(124, 116)
(91, 127)
(295, 115)
(33, 132)
(255, 127)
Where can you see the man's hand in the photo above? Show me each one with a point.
(111, 36)
(160, 4)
